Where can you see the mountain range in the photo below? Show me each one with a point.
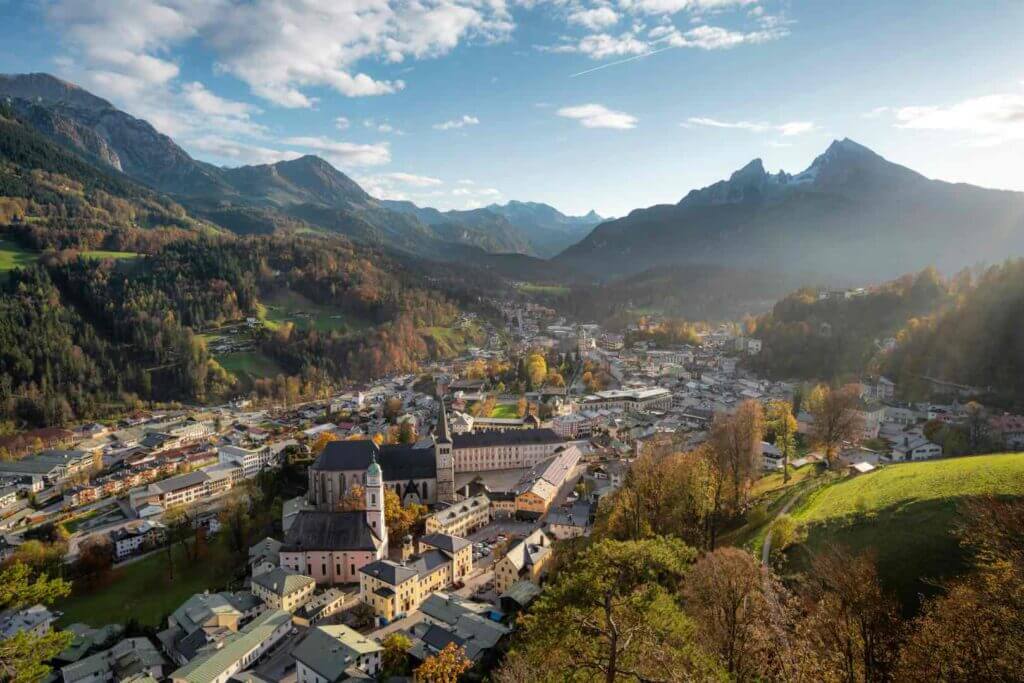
(267, 197)
(851, 214)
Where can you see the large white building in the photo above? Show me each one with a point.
(251, 461)
(651, 398)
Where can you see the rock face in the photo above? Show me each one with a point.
(850, 212)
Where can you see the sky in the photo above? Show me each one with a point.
(608, 105)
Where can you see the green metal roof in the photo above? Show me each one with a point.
(209, 665)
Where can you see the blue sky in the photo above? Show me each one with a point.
(604, 104)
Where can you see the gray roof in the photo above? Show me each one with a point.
(446, 542)
(319, 530)
(449, 607)
(429, 562)
(331, 650)
(515, 437)
(208, 666)
(397, 462)
(283, 582)
(389, 572)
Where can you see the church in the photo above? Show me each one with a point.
(419, 473)
(424, 472)
(333, 546)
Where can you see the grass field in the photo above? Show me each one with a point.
(449, 341)
(547, 290)
(906, 515)
(505, 411)
(144, 591)
(12, 256)
(100, 254)
(285, 305)
(250, 365)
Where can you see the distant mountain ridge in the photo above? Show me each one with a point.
(850, 212)
(263, 197)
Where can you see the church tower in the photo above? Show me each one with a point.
(444, 460)
(375, 500)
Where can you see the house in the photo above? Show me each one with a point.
(573, 522)
(36, 621)
(460, 519)
(1009, 429)
(283, 589)
(251, 461)
(538, 488)
(394, 589)
(129, 660)
(448, 618)
(264, 556)
(771, 456)
(206, 618)
(870, 413)
(321, 606)
(330, 654)
(135, 538)
(527, 559)
(914, 447)
(236, 652)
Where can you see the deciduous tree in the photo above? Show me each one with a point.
(836, 419)
(446, 666)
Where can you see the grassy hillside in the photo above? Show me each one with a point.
(906, 514)
(286, 305)
(13, 255)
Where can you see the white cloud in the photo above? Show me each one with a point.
(240, 153)
(788, 129)
(342, 123)
(986, 120)
(598, 116)
(381, 126)
(594, 19)
(461, 122)
(413, 179)
(204, 101)
(675, 6)
(343, 153)
(876, 112)
(632, 44)
(279, 48)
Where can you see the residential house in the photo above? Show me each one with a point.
(462, 518)
(283, 589)
(132, 659)
(394, 589)
(331, 654)
(915, 447)
(237, 652)
(206, 618)
(527, 559)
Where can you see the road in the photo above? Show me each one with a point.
(278, 664)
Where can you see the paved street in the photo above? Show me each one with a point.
(278, 664)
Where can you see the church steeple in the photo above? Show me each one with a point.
(443, 458)
(375, 499)
(441, 434)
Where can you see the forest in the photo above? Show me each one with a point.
(836, 338)
(83, 335)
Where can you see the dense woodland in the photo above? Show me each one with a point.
(806, 337)
(978, 340)
(80, 336)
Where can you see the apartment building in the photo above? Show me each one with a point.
(460, 519)
(393, 589)
(283, 589)
(238, 651)
(330, 654)
(526, 560)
